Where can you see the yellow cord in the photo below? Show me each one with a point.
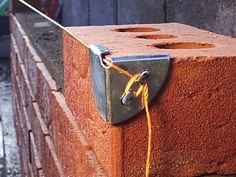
(143, 89)
(145, 103)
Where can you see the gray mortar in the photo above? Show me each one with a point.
(47, 40)
(6, 114)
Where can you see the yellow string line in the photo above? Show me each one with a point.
(117, 68)
(143, 89)
(145, 103)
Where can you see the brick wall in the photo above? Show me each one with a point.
(50, 141)
(193, 117)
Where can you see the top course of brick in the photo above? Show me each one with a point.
(171, 38)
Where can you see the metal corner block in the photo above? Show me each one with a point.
(109, 85)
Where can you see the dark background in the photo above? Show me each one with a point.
(214, 15)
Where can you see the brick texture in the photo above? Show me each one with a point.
(36, 153)
(50, 140)
(193, 117)
(70, 143)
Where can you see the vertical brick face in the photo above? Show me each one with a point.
(41, 173)
(32, 61)
(39, 130)
(30, 170)
(45, 84)
(97, 132)
(26, 91)
(34, 157)
(51, 161)
(70, 143)
(19, 35)
(16, 58)
(29, 75)
(13, 48)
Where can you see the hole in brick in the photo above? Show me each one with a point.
(157, 36)
(184, 45)
(137, 29)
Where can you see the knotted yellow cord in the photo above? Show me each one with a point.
(143, 89)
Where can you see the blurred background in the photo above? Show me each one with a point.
(214, 15)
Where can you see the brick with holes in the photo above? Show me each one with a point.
(193, 116)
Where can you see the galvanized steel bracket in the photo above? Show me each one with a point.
(109, 85)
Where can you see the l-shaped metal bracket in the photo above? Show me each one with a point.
(109, 85)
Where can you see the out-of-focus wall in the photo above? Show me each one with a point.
(214, 15)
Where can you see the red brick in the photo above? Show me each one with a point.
(39, 130)
(18, 33)
(17, 122)
(51, 165)
(13, 53)
(45, 84)
(13, 81)
(17, 94)
(22, 167)
(32, 60)
(22, 147)
(22, 85)
(193, 117)
(20, 137)
(70, 143)
(79, 98)
(30, 171)
(26, 52)
(15, 116)
(19, 113)
(21, 39)
(24, 140)
(41, 174)
(14, 97)
(25, 91)
(34, 157)
(25, 131)
(16, 58)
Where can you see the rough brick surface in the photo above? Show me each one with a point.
(26, 110)
(51, 161)
(39, 130)
(16, 58)
(34, 157)
(45, 84)
(193, 117)
(30, 170)
(32, 60)
(19, 35)
(74, 96)
(50, 141)
(70, 142)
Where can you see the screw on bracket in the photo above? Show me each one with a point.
(143, 77)
(127, 98)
